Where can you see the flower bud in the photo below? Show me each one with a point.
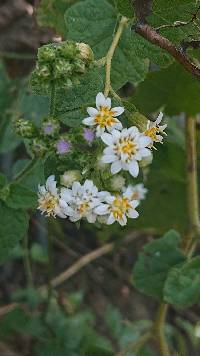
(79, 66)
(46, 53)
(67, 50)
(43, 71)
(85, 51)
(117, 183)
(69, 177)
(62, 68)
(63, 146)
(50, 127)
(88, 135)
(24, 128)
(38, 147)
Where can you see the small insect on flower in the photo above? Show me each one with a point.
(137, 192)
(125, 149)
(103, 117)
(155, 131)
(118, 208)
(83, 199)
(50, 200)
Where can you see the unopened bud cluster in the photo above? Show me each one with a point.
(62, 64)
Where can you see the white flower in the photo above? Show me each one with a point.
(125, 149)
(146, 161)
(50, 201)
(69, 177)
(82, 200)
(117, 183)
(154, 130)
(118, 208)
(137, 192)
(103, 117)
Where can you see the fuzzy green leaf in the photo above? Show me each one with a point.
(182, 287)
(20, 197)
(172, 88)
(154, 263)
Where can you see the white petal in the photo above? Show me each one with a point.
(145, 152)
(116, 167)
(92, 111)
(159, 118)
(59, 212)
(76, 187)
(133, 168)
(123, 220)
(100, 100)
(108, 103)
(108, 158)
(133, 214)
(116, 134)
(99, 131)
(107, 139)
(88, 121)
(102, 209)
(91, 218)
(144, 141)
(88, 184)
(108, 151)
(111, 219)
(110, 199)
(118, 110)
(66, 194)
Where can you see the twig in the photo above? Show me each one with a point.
(150, 34)
(111, 51)
(180, 23)
(159, 325)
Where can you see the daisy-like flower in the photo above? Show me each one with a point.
(103, 117)
(50, 200)
(137, 192)
(83, 199)
(155, 131)
(118, 208)
(125, 149)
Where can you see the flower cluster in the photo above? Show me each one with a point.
(85, 201)
(126, 149)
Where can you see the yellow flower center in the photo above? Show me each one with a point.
(152, 132)
(126, 146)
(119, 207)
(48, 203)
(105, 117)
(83, 208)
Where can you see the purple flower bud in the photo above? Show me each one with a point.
(88, 135)
(48, 129)
(63, 146)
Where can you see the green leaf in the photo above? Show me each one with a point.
(34, 177)
(98, 351)
(7, 135)
(3, 180)
(168, 12)
(124, 7)
(71, 104)
(155, 262)
(12, 229)
(51, 13)
(172, 88)
(94, 23)
(38, 253)
(182, 286)
(20, 197)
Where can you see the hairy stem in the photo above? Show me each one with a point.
(111, 52)
(159, 329)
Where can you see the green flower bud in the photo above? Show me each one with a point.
(38, 147)
(69, 177)
(85, 51)
(43, 71)
(67, 50)
(50, 127)
(62, 68)
(24, 128)
(79, 66)
(46, 53)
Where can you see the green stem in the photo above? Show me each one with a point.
(27, 263)
(159, 329)
(111, 52)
